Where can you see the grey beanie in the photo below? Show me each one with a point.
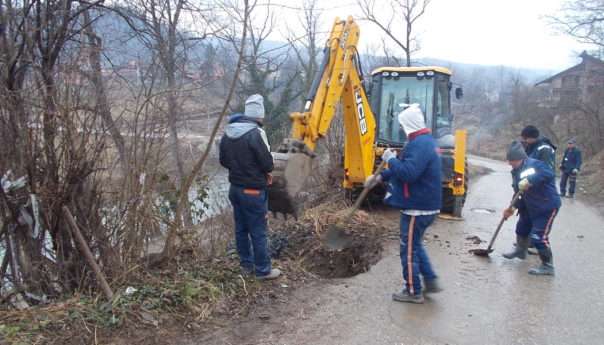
(516, 152)
(572, 141)
(254, 107)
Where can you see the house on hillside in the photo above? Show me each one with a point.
(573, 86)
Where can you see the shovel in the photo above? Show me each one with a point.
(489, 250)
(336, 238)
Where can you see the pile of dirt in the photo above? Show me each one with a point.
(590, 182)
(308, 240)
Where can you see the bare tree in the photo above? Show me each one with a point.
(583, 20)
(94, 49)
(398, 22)
(270, 72)
(307, 47)
(170, 246)
(158, 24)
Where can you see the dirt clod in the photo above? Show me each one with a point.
(475, 239)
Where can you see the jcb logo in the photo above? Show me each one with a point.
(360, 111)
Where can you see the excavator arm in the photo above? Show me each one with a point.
(338, 81)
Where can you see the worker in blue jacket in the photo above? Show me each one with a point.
(571, 164)
(538, 146)
(414, 186)
(541, 202)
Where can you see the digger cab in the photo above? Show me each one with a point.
(391, 89)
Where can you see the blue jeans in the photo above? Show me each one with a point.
(414, 258)
(250, 207)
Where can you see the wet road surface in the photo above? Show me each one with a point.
(485, 301)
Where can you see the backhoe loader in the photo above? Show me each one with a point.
(370, 116)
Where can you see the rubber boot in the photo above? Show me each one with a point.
(520, 250)
(547, 264)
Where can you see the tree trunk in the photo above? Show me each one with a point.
(102, 104)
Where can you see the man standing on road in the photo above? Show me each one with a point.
(541, 203)
(571, 164)
(538, 147)
(245, 152)
(414, 186)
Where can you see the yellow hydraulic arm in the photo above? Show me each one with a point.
(338, 81)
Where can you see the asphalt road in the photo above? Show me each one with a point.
(485, 301)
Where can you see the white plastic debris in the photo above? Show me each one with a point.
(130, 290)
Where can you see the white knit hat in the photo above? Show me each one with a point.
(412, 119)
(254, 107)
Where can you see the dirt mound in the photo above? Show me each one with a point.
(308, 241)
(590, 183)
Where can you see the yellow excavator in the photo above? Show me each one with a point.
(370, 115)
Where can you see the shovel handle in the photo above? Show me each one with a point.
(364, 193)
(503, 219)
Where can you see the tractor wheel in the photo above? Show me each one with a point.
(454, 204)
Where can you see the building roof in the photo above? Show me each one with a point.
(584, 55)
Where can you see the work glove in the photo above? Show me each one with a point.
(524, 184)
(372, 180)
(575, 171)
(508, 212)
(388, 155)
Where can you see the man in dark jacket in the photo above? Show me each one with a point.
(414, 186)
(571, 164)
(541, 202)
(245, 152)
(538, 147)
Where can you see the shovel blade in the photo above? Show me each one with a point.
(481, 252)
(337, 238)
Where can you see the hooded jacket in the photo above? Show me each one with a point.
(245, 152)
(543, 150)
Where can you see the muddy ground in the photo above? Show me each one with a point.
(485, 301)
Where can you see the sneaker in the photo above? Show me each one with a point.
(405, 297)
(246, 272)
(542, 270)
(571, 196)
(274, 274)
(432, 286)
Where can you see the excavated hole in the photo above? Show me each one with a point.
(358, 250)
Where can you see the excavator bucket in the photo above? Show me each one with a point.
(289, 176)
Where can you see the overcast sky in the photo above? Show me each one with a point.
(490, 32)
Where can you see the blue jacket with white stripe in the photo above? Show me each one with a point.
(543, 150)
(571, 160)
(542, 196)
